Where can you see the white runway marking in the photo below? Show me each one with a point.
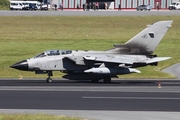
(138, 98)
(141, 89)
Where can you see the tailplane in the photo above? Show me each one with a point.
(147, 40)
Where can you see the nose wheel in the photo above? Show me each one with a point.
(49, 79)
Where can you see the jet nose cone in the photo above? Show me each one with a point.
(22, 65)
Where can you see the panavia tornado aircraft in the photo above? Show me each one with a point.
(101, 65)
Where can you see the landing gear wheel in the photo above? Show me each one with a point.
(107, 79)
(49, 80)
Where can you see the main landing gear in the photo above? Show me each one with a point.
(49, 79)
(107, 79)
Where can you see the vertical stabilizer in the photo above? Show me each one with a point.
(148, 39)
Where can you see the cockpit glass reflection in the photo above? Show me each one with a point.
(54, 52)
(40, 55)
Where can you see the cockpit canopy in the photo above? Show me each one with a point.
(54, 52)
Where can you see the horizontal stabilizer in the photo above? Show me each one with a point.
(156, 59)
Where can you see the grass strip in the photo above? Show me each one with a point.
(35, 117)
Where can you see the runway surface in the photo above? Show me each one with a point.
(174, 70)
(136, 97)
(90, 13)
(63, 95)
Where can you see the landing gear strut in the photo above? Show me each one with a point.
(107, 79)
(49, 79)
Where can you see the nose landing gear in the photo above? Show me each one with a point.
(49, 79)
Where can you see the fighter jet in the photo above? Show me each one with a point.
(101, 65)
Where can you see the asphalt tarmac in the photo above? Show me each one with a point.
(139, 96)
(91, 13)
(83, 98)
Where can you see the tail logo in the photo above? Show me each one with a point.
(145, 36)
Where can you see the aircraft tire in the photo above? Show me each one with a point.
(107, 79)
(49, 80)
